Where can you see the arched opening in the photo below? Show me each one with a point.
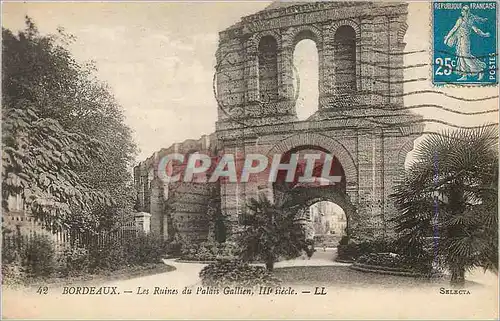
(306, 76)
(345, 60)
(327, 219)
(326, 224)
(300, 197)
(316, 167)
(268, 69)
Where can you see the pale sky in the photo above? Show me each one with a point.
(158, 59)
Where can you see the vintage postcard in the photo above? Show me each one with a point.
(250, 160)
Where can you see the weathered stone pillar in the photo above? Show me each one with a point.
(252, 75)
(143, 222)
(352, 218)
(326, 67)
(322, 87)
(156, 207)
(287, 70)
(371, 189)
(396, 149)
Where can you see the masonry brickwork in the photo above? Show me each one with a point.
(359, 118)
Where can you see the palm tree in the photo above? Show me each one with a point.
(271, 231)
(450, 192)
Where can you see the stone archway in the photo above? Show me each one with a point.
(299, 198)
(367, 151)
(296, 197)
(325, 142)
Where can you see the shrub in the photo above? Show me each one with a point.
(12, 273)
(309, 247)
(344, 240)
(9, 252)
(236, 273)
(144, 248)
(319, 239)
(210, 251)
(39, 256)
(356, 248)
(348, 251)
(228, 249)
(271, 232)
(384, 259)
(375, 246)
(392, 260)
(132, 250)
(108, 256)
(173, 248)
(74, 260)
(192, 252)
(12, 270)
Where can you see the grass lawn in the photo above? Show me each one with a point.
(343, 276)
(101, 276)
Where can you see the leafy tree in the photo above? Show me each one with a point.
(271, 231)
(450, 191)
(39, 160)
(66, 122)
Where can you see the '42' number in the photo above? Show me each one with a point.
(43, 290)
(445, 66)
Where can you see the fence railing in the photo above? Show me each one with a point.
(20, 229)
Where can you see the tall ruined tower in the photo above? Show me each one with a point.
(359, 117)
(359, 120)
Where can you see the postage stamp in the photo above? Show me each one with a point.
(464, 43)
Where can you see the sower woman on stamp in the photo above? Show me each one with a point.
(459, 37)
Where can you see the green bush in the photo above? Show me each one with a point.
(13, 273)
(348, 252)
(173, 248)
(74, 260)
(12, 270)
(236, 273)
(344, 240)
(228, 249)
(319, 239)
(145, 248)
(375, 246)
(356, 248)
(9, 252)
(392, 260)
(39, 256)
(131, 250)
(210, 251)
(309, 247)
(108, 256)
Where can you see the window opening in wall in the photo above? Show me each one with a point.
(268, 69)
(345, 60)
(306, 78)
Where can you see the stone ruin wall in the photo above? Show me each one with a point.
(175, 208)
(379, 28)
(257, 100)
(256, 110)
